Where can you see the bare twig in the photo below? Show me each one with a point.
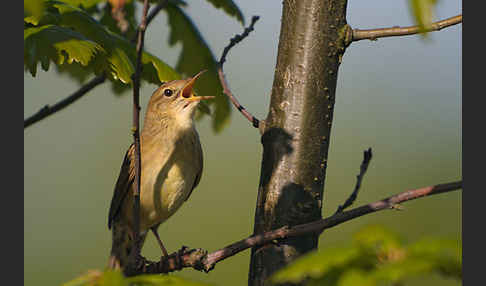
(367, 155)
(154, 11)
(136, 130)
(200, 260)
(48, 110)
(233, 41)
(374, 34)
(238, 38)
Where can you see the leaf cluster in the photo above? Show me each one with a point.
(65, 34)
(376, 257)
(84, 37)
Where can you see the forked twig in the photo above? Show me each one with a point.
(226, 90)
(367, 155)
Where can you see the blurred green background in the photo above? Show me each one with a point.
(400, 96)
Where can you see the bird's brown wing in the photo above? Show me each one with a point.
(198, 161)
(123, 184)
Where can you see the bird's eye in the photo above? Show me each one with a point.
(168, 92)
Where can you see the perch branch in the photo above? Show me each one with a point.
(136, 130)
(48, 110)
(200, 260)
(226, 90)
(367, 155)
(373, 34)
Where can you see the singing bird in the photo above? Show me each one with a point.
(171, 165)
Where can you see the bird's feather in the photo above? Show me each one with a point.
(200, 164)
(123, 184)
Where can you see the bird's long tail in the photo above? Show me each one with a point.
(122, 245)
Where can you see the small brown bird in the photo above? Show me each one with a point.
(171, 164)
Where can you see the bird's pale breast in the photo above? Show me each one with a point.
(168, 180)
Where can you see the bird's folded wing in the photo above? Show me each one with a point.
(123, 184)
(198, 161)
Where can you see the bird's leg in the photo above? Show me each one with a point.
(154, 230)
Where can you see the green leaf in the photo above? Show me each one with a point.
(446, 254)
(33, 10)
(89, 278)
(34, 7)
(116, 278)
(114, 55)
(356, 277)
(317, 264)
(122, 67)
(122, 53)
(196, 56)
(86, 4)
(156, 71)
(230, 8)
(423, 13)
(112, 278)
(377, 238)
(98, 278)
(204, 108)
(58, 44)
(400, 270)
(32, 20)
(423, 258)
(115, 62)
(156, 280)
(376, 257)
(343, 276)
(437, 247)
(46, 18)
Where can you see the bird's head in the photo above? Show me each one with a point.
(175, 100)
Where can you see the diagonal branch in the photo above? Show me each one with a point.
(48, 110)
(200, 260)
(363, 168)
(226, 90)
(373, 34)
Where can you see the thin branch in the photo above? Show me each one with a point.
(155, 11)
(374, 34)
(226, 90)
(200, 260)
(367, 155)
(238, 38)
(136, 130)
(48, 110)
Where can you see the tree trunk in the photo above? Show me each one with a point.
(297, 128)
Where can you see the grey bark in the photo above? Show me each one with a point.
(297, 129)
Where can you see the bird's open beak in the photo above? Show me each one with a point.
(187, 89)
